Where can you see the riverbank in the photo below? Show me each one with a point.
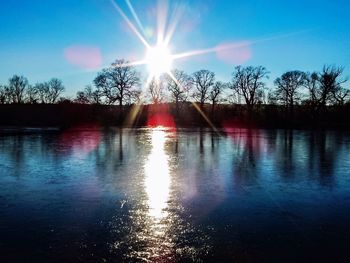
(50, 117)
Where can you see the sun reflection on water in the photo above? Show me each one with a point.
(152, 226)
(157, 176)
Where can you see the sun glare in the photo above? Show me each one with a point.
(157, 181)
(159, 59)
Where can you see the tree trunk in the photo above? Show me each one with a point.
(177, 107)
(212, 109)
(120, 110)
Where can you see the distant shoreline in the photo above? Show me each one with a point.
(46, 118)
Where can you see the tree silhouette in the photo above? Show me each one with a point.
(32, 95)
(16, 88)
(102, 84)
(82, 98)
(117, 82)
(88, 96)
(247, 82)
(156, 90)
(55, 89)
(312, 85)
(134, 96)
(323, 92)
(43, 90)
(202, 82)
(341, 95)
(3, 95)
(288, 86)
(216, 93)
(330, 85)
(180, 88)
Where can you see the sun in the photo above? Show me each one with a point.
(159, 59)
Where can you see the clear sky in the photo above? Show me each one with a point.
(73, 39)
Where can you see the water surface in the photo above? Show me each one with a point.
(158, 195)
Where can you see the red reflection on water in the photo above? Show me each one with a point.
(228, 124)
(252, 139)
(81, 139)
(159, 115)
(87, 57)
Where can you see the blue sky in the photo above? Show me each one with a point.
(39, 39)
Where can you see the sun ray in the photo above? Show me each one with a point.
(229, 46)
(208, 50)
(162, 13)
(194, 104)
(159, 58)
(130, 24)
(172, 26)
(136, 108)
(130, 64)
(136, 17)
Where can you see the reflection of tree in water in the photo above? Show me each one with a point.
(247, 145)
(314, 151)
(287, 154)
(323, 151)
(121, 156)
(201, 138)
(117, 147)
(327, 154)
(15, 150)
(22, 150)
(215, 142)
(143, 233)
(106, 153)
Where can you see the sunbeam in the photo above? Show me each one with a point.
(130, 24)
(158, 57)
(135, 110)
(136, 17)
(172, 25)
(194, 104)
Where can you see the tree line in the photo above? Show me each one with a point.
(19, 91)
(120, 84)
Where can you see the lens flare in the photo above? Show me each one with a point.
(159, 59)
(157, 181)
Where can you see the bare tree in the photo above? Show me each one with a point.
(202, 81)
(32, 94)
(103, 83)
(288, 86)
(3, 95)
(247, 82)
(216, 93)
(156, 90)
(16, 88)
(330, 85)
(117, 82)
(134, 97)
(179, 87)
(312, 85)
(43, 91)
(325, 88)
(55, 89)
(341, 95)
(82, 98)
(88, 96)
